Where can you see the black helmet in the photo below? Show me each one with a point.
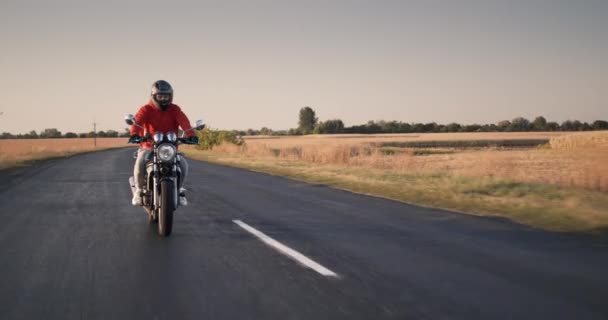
(162, 94)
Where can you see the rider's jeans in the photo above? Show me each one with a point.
(140, 167)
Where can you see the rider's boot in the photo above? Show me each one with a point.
(182, 197)
(136, 201)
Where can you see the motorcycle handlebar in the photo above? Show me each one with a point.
(145, 138)
(149, 138)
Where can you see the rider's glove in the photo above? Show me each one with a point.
(135, 138)
(192, 140)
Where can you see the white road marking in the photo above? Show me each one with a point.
(300, 258)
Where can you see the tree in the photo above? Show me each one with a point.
(430, 127)
(586, 127)
(308, 120)
(452, 127)
(503, 125)
(50, 133)
(111, 134)
(417, 127)
(539, 124)
(373, 127)
(335, 126)
(389, 126)
(319, 128)
(404, 127)
(266, 131)
(519, 124)
(570, 125)
(488, 128)
(471, 128)
(552, 126)
(567, 125)
(70, 135)
(6, 135)
(599, 125)
(329, 127)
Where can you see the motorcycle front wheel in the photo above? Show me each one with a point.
(165, 212)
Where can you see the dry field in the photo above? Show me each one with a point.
(15, 152)
(570, 159)
(559, 185)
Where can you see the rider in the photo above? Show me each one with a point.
(161, 115)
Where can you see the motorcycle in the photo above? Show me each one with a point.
(162, 176)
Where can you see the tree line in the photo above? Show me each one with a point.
(53, 133)
(309, 124)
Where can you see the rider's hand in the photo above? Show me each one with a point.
(135, 138)
(192, 140)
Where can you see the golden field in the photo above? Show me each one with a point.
(577, 159)
(20, 151)
(559, 185)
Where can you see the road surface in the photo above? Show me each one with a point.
(249, 246)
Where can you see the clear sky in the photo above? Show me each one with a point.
(248, 64)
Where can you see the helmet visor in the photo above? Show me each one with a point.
(162, 97)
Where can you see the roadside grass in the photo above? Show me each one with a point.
(24, 152)
(540, 205)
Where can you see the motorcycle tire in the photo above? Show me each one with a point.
(165, 212)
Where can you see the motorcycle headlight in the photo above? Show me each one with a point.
(158, 137)
(171, 136)
(166, 152)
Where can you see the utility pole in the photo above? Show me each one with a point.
(94, 133)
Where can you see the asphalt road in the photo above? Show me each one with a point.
(72, 247)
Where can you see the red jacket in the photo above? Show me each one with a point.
(154, 120)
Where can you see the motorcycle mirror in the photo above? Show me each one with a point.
(130, 119)
(199, 125)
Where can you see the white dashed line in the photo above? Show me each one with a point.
(300, 258)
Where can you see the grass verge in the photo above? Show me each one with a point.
(548, 207)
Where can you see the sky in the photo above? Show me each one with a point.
(249, 64)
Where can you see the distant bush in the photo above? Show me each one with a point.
(208, 138)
